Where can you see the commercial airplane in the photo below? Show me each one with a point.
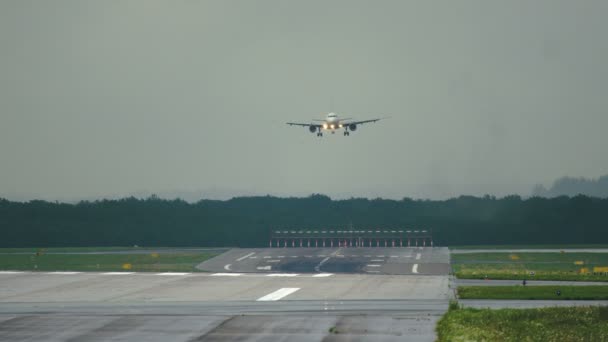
(332, 123)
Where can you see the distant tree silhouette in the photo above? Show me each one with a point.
(569, 186)
(247, 221)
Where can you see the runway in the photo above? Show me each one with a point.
(367, 260)
(227, 305)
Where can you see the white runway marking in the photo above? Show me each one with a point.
(273, 260)
(282, 275)
(245, 256)
(278, 294)
(253, 257)
(264, 268)
(267, 257)
(415, 268)
(294, 256)
(318, 267)
(281, 256)
(377, 260)
(373, 271)
(321, 275)
(379, 256)
(117, 273)
(172, 274)
(394, 256)
(64, 273)
(374, 265)
(227, 267)
(367, 256)
(10, 272)
(322, 256)
(418, 256)
(226, 274)
(308, 256)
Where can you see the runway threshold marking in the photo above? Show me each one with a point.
(415, 268)
(282, 275)
(278, 294)
(226, 274)
(245, 256)
(322, 275)
(418, 256)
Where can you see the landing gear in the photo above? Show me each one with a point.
(346, 133)
(319, 134)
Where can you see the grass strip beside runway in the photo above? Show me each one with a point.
(153, 262)
(542, 324)
(534, 292)
(531, 266)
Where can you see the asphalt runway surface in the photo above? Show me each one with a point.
(270, 305)
(366, 260)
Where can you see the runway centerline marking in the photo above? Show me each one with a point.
(64, 273)
(245, 256)
(117, 273)
(264, 268)
(321, 275)
(278, 294)
(282, 275)
(418, 256)
(273, 260)
(267, 257)
(226, 274)
(415, 268)
(374, 265)
(172, 274)
(377, 260)
(227, 267)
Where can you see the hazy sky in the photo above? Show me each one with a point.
(110, 98)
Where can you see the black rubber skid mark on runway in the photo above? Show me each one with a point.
(115, 328)
(343, 266)
(211, 334)
(303, 266)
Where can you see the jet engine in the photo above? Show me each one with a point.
(312, 129)
(352, 127)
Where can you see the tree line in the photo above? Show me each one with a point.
(247, 221)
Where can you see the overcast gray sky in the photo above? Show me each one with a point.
(111, 98)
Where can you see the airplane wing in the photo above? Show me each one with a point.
(361, 122)
(304, 124)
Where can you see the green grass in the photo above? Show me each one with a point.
(91, 249)
(175, 262)
(545, 266)
(544, 324)
(563, 246)
(591, 292)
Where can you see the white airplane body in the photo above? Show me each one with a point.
(333, 123)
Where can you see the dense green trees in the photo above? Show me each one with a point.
(247, 221)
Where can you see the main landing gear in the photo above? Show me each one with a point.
(319, 134)
(346, 133)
